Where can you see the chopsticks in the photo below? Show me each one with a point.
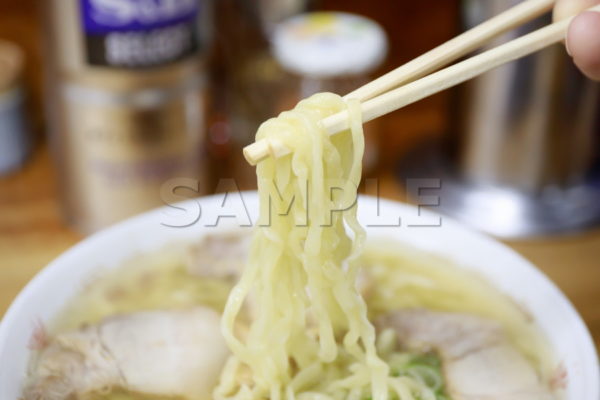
(379, 100)
(455, 48)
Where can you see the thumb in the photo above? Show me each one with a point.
(583, 37)
(583, 43)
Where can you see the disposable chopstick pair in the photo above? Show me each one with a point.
(386, 94)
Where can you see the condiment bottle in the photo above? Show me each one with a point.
(330, 52)
(126, 102)
(14, 135)
(246, 81)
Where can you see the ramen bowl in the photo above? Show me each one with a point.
(62, 279)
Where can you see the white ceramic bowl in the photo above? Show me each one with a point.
(59, 281)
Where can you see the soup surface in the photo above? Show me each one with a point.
(393, 277)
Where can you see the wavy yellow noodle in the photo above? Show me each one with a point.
(310, 338)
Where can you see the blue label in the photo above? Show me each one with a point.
(105, 16)
(140, 33)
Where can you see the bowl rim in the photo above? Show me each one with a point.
(63, 262)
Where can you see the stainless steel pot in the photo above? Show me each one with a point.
(524, 157)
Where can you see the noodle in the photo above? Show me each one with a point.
(310, 338)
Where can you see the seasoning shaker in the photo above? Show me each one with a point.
(14, 132)
(330, 52)
(126, 102)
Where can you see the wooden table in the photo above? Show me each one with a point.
(32, 234)
(31, 229)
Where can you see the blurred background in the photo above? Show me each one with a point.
(103, 103)
(240, 84)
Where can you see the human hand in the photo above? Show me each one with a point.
(583, 37)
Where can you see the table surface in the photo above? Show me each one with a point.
(32, 233)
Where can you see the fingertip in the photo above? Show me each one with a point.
(583, 43)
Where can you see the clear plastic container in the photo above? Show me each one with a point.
(330, 52)
(264, 75)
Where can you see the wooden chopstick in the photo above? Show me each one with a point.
(454, 48)
(421, 66)
(455, 74)
(429, 85)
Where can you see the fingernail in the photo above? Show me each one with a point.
(567, 43)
